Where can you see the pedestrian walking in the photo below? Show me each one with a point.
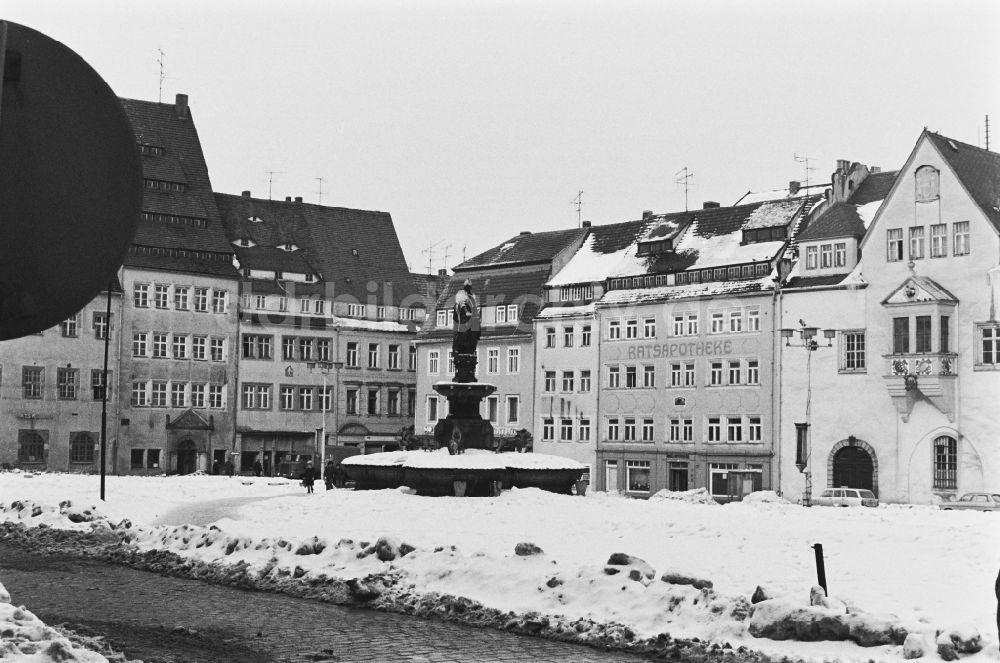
(309, 477)
(258, 469)
(230, 468)
(328, 474)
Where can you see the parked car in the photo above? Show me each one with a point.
(973, 502)
(846, 497)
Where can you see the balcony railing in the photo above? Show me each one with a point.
(922, 364)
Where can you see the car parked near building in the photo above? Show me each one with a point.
(846, 497)
(973, 502)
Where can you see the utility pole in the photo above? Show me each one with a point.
(578, 201)
(806, 161)
(684, 180)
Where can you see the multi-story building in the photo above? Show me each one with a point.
(177, 371)
(898, 395)
(52, 392)
(507, 282)
(328, 312)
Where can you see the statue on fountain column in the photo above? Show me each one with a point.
(465, 319)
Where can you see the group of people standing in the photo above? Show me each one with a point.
(333, 475)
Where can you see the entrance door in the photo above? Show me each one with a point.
(610, 475)
(852, 467)
(678, 476)
(186, 457)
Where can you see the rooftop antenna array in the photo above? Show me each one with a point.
(446, 255)
(320, 180)
(430, 255)
(163, 73)
(578, 201)
(270, 180)
(684, 180)
(806, 161)
(987, 132)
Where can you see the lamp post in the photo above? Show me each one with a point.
(325, 367)
(803, 449)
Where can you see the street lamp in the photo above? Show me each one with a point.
(807, 336)
(325, 367)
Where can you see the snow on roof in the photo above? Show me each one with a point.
(772, 214)
(567, 311)
(370, 325)
(589, 265)
(689, 290)
(780, 194)
(722, 250)
(867, 212)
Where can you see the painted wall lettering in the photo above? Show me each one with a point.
(668, 350)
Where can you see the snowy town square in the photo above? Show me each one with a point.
(547, 331)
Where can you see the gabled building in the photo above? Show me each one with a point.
(898, 396)
(327, 316)
(507, 282)
(178, 359)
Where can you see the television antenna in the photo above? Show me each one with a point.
(270, 180)
(684, 180)
(430, 254)
(320, 180)
(806, 161)
(578, 201)
(163, 73)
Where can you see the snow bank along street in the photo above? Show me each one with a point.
(601, 568)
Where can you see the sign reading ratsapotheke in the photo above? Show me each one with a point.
(669, 350)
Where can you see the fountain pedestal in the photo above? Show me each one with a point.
(464, 396)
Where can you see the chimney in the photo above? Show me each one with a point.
(875, 169)
(525, 232)
(843, 165)
(288, 199)
(710, 204)
(246, 194)
(442, 272)
(647, 214)
(182, 106)
(793, 187)
(298, 199)
(585, 224)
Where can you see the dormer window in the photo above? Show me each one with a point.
(279, 275)
(927, 180)
(759, 235)
(310, 278)
(289, 247)
(255, 219)
(150, 150)
(654, 248)
(245, 243)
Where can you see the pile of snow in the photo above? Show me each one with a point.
(761, 496)
(693, 496)
(24, 637)
(473, 459)
(609, 569)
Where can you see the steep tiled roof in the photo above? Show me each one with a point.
(664, 293)
(181, 162)
(525, 249)
(841, 220)
(349, 248)
(430, 287)
(522, 288)
(978, 170)
(814, 281)
(874, 187)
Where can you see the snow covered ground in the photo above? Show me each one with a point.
(925, 569)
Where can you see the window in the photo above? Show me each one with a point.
(158, 394)
(324, 348)
(678, 325)
(179, 346)
(548, 430)
(647, 430)
(394, 357)
(352, 354)
(67, 382)
(136, 459)
(715, 429)
(675, 430)
(220, 301)
(584, 380)
(567, 380)
(649, 376)
(613, 429)
(319, 307)
(139, 341)
(715, 373)
(140, 295)
(736, 320)
(360, 311)
(161, 295)
(550, 337)
(637, 475)
(900, 335)
(990, 343)
(753, 320)
(305, 349)
(566, 430)
(840, 254)
(631, 329)
(550, 381)
(926, 181)
(201, 300)
(434, 362)
(923, 333)
(513, 360)
(826, 256)
(811, 257)
(734, 429)
(753, 371)
(325, 398)
(256, 396)
(492, 409)
(719, 473)
(100, 326)
(198, 394)
(286, 398)
(70, 326)
(945, 462)
(81, 449)
(687, 432)
(451, 361)
(177, 394)
(306, 398)
(614, 377)
(754, 430)
(630, 377)
(198, 344)
(614, 330)
(960, 238)
(411, 358)
(493, 361)
(160, 346)
(432, 408)
(894, 244)
(584, 430)
(180, 298)
(567, 337)
(31, 381)
(585, 336)
(735, 372)
(945, 334)
(31, 447)
(98, 384)
(628, 429)
(282, 304)
(718, 323)
(215, 397)
(513, 409)
(351, 400)
(260, 302)
(512, 313)
(139, 396)
(373, 361)
(649, 328)
(256, 346)
(676, 375)
(916, 243)
(305, 305)
(379, 312)
(689, 374)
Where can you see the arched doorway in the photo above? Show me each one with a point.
(853, 467)
(187, 457)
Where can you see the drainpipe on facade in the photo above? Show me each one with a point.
(597, 377)
(118, 367)
(235, 391)
(776, 391)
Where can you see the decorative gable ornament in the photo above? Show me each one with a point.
(190, 420)
(919, 290)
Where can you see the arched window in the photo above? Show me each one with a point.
(81, 449)
(945, 462)
(31, 448)
(927, 180)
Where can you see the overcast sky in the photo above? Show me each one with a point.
(470, 122)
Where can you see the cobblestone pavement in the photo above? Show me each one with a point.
(162, 619)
